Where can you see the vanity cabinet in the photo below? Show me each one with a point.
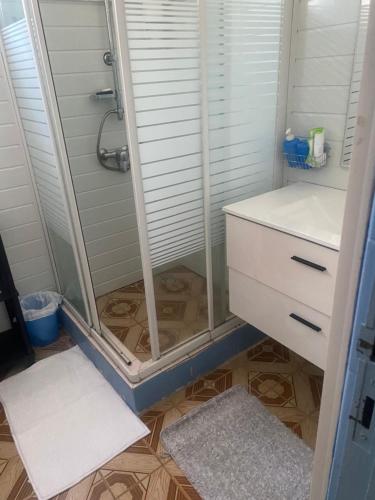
(279, 282)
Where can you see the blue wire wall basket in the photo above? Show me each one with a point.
(301, 161)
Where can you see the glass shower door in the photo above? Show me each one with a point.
(82, 61)
(231, 51)
(242, 53)
(164, 50)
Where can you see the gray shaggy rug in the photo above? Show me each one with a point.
(232, 448)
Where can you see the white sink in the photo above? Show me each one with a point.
(305, 210)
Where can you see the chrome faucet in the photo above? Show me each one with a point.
(112, 159)
(119, 155)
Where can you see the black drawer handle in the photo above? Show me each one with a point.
(305, 322)
(318, 267)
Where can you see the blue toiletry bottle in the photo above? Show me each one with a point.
(302, 151)
(290, 147)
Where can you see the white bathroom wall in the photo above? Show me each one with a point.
(20, 222)
(322, 54)
(76, 36)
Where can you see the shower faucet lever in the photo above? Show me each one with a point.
(116, 159)
(108, 58)
(120, 155)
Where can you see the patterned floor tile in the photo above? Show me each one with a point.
(181, 480)
(99, 489)
(178, 490)
(270, 356)
(294, 427)
(160, 486)
(171, 310)
(14, 484)
(316, 386)
(22, 489)
(181, 308)
(168, 338)
(289, 388)
(291, 417)
(154, 486)
(188, 405)
(204, 389)
(308, 391)
(3, 464)
(138, 459)
(156, 426)
(269, 351)
(118, 308)
(309, 428)
(78, 492)
(8, 448)
(274, 389)
(5, 434)
(120, 482)
(137, 492)
(128, 335)
(210, 385)
(174, 283)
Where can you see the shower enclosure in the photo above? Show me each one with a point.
(161, 112)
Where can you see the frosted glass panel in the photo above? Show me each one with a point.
(164, 43)
(243, 57)
(355, 84)
(76, 36)
(164, 53)
(26, 82)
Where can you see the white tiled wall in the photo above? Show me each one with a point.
(76, 35)
(323, 46)
(20, 223)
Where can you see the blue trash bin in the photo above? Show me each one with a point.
(40, 314)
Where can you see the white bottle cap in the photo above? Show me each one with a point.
(289, 135)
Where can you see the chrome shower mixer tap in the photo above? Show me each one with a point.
(120, 157)
(116, 159)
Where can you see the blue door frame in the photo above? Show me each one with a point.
(353, 466)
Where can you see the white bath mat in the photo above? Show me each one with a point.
(66, 420)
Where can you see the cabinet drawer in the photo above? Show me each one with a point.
(269, 311)
(302, 270)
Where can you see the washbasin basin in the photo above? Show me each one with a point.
(305, 210)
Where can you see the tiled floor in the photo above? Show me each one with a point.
(181, 308)
(289, 387)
